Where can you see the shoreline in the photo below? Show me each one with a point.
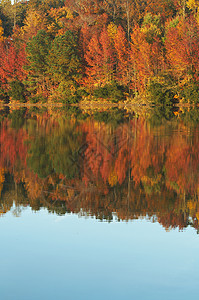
(94, 104)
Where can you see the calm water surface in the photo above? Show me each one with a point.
(99, 206)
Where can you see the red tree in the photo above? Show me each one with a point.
(100, 59)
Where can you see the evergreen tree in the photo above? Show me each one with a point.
(37, 51)
(64, 64)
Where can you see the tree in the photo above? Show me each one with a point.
(37, 50)
(193, 5)
(64, 65)
(64, 61)
(140, 60)
(1, 31)
(12, 61)
(165, 8)
(33, 23)
(146, 54)
(7, 16)
(100, 59)
(182, 47)
(12, 14)
(122, 56)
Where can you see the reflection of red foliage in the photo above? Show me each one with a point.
(12, 146)
(182, 163)
(163, 171)
(146, 152)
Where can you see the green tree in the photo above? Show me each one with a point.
(17, 90)
(64, 64)
(37, 51)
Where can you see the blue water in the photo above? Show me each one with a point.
(45, 256)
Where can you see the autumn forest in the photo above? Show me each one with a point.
(66, 51)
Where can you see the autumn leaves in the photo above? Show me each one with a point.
(63, 51)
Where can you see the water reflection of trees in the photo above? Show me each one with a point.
(133, 169)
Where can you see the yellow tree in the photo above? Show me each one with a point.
(58, 19)
(1, 31)
(34, 22)
(193, 5)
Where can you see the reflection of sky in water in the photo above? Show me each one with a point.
(44, 256)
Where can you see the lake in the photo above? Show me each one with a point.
(99, 205)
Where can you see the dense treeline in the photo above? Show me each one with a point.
(105, 165)
(65, 50)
